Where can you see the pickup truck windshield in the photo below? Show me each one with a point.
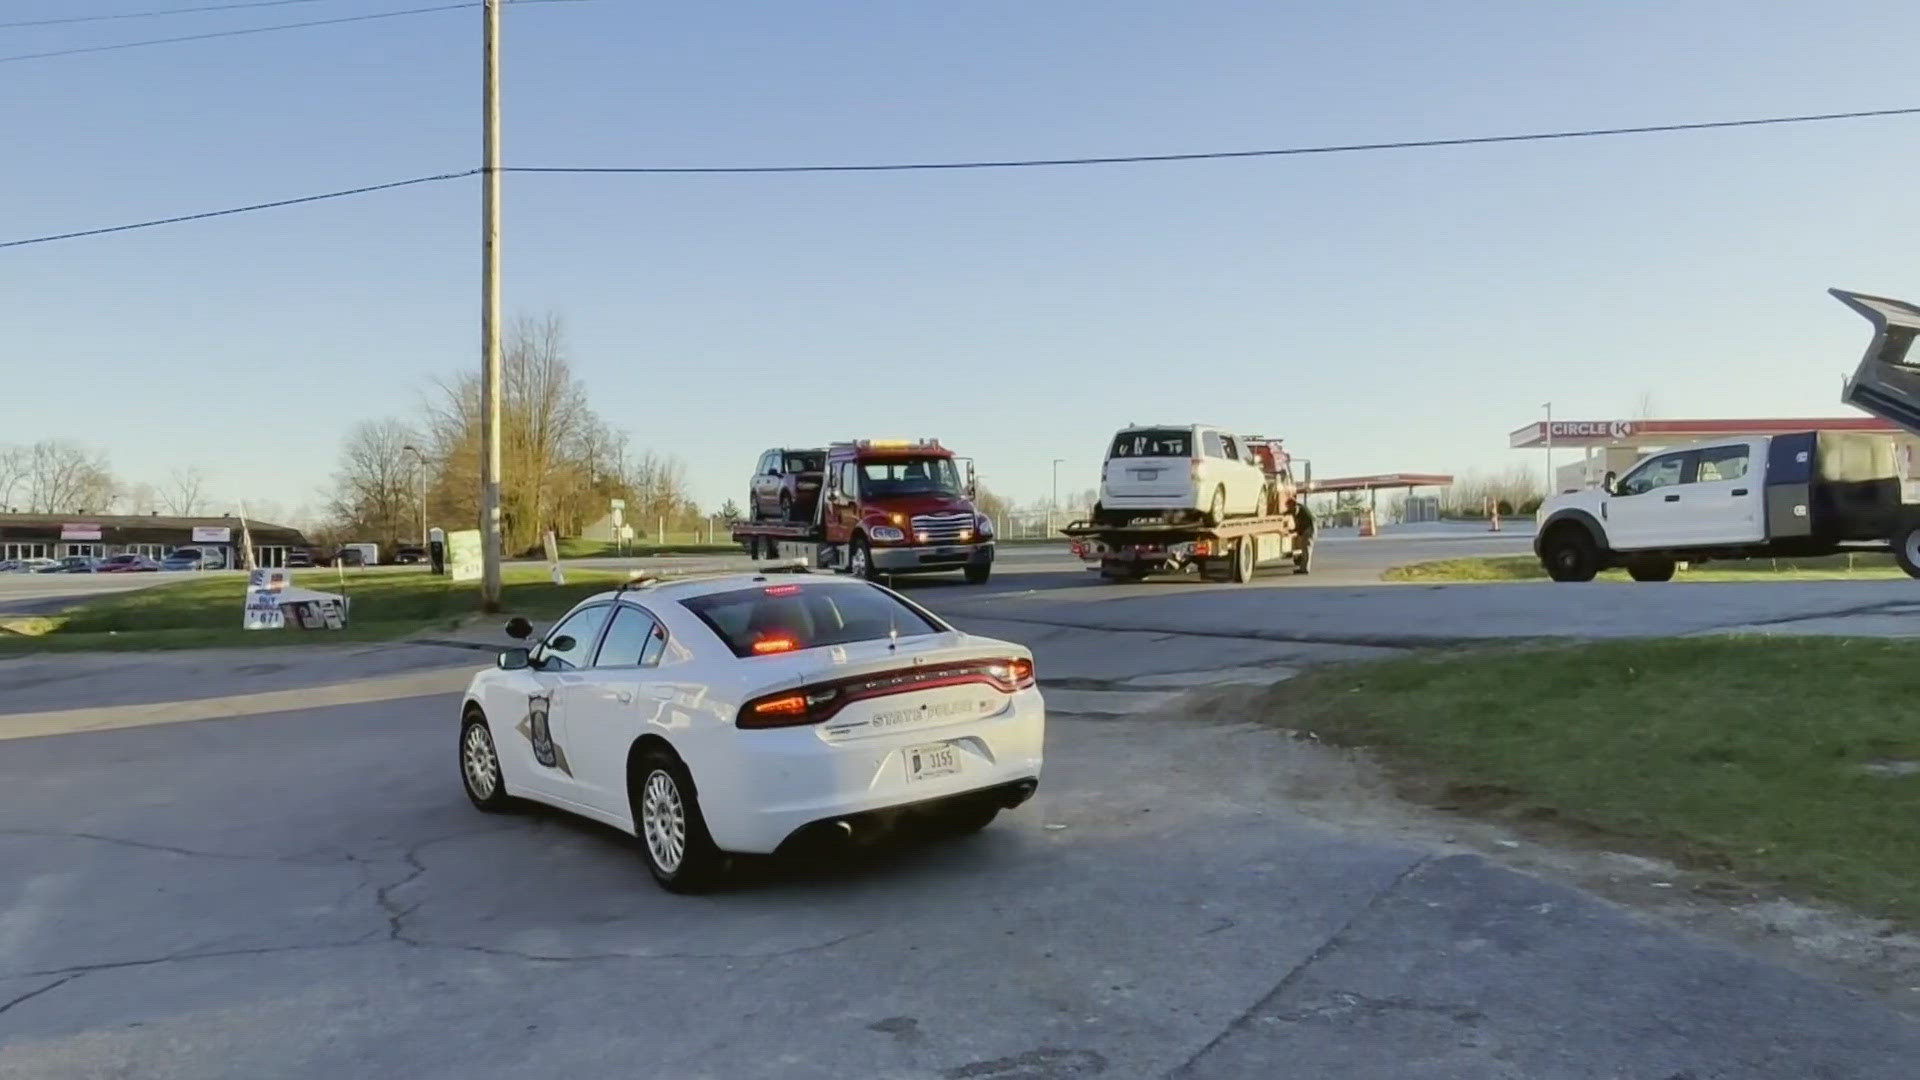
(1138, 444)
(909, 476)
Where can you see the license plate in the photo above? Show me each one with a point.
(927, 762)
(1145, 474)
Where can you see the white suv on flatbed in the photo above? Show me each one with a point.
(1191, 467)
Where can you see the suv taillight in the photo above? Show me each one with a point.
(1193, 470)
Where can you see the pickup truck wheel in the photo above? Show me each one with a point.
(1570, 554)
(978, 575)
(1906, 550)
(1652, 568)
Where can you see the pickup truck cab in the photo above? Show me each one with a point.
(1805, 493)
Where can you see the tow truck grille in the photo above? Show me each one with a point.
(946, 528)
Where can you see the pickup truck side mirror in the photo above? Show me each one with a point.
(1611, 483)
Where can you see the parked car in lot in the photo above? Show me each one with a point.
(1191, 469)
(126, 564)
(25, 566)
(786, 484)
(744, 713)
(299, 558)
(409, 554)
(71, 564)
(187, 558)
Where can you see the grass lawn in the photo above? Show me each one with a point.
(205, 612)
(1865, 567)
(1749, 756)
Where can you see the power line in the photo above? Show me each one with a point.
(235, 33)
(1409, 144)
(243, 209)
(1218, 155)
(69, 19)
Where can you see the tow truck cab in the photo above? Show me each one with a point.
(895, 506)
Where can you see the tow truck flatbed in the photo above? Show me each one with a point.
(1229, 551)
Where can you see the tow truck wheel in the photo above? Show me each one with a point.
(978, 575)
(1242, 567)
(1570, 554)
(1906, 549)
(860, 559)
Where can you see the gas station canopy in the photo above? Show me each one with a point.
(1659, 433)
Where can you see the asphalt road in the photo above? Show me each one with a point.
(306, 892)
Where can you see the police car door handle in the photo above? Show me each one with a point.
(1673, 498)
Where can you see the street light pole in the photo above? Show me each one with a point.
(490, 544)
(1549, 407)
(1054, 502)
(420, 470)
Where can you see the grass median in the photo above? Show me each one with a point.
(1862, 567)
(1787, 762)
(205, 612)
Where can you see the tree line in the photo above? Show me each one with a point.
(561, 464)
(59, 476)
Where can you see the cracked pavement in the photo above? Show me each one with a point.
(308, 894)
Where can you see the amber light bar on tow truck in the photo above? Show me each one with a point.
(819, 702)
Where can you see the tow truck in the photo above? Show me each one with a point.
(886, 507)
(1794, 495)
(1125, 547)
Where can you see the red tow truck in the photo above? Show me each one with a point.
(886, 507)
(1125, 546)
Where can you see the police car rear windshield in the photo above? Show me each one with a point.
(1154, 443)
(771, 619)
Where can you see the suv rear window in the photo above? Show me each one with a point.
(799, 463)
(782, 618)
(1156, 443)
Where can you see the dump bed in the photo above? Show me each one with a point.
(1887, 382)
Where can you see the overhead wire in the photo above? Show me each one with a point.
(202, 216)
(242, 32)
(68, 20)
(1007, 163)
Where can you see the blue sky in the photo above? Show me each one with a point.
(1394, 310)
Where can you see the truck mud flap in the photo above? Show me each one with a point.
(1887, 382)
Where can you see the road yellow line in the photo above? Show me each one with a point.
(106, 718)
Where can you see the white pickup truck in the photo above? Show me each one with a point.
(1801, 494)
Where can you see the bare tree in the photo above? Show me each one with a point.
(373, 489)
(185, 493)
(64, 477)
(14, 469)
(140, 499)
(1643, 407)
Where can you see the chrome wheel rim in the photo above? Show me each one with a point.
(859, 564)
(663, 821)
(479, 763)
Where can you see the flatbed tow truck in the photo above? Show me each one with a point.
(886, 507)
(1129, 546)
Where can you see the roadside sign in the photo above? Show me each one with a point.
(264, 586)
(463, 554)
(80, 530)
(617, 504)
(212, 534)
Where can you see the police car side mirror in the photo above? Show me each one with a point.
(519, 628)
(513, 659)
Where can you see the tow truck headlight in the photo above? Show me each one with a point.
(887, 534)
(983, 527)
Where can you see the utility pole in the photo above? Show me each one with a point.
(1054, 502)
(490, 311)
